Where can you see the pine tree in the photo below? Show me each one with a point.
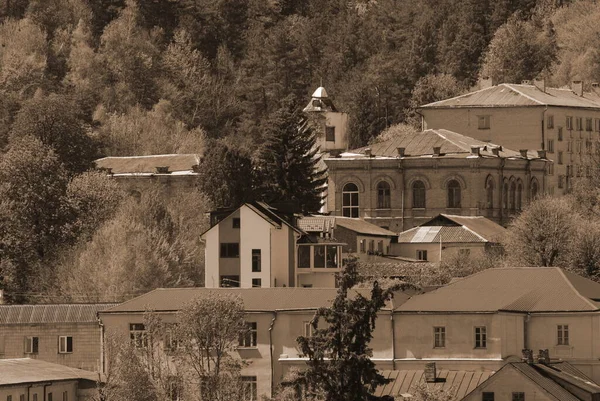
(290, 165)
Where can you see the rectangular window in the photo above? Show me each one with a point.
(551, 145)
(421, 254)
(65, 396)
(330, 134)
(319, 255)
(465, 252)
(569, 122)
(307, 329)
(9, 398)
(518, 396)
(363, 246)
(35, 398)
(487, 396)
(256, 260)
(588, 124)
(560, 157)
(550, 168)
(570, 146)
(562, 334)
(49, 397)
(248, 339)
(380, 246)
(230, 281)
(22, 397)
(303, 257)
(480, 337)
(561, 181)
(578, 124)
(236, 222)
(256, 283)
(578, 146)
(560, 134)
(230, 250)
(550, 122)
(171, 342)
(439, 337)
(32, 345)
(332, 256)
(138, 335)
(249, 388)
(597, 124)
(483, 122)
(65, 344)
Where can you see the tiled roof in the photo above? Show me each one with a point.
(514, 95)
(521, 289)
(255, 299)
(405, 381)
(362, 227)
(458, 229)
(421, 144)
(25, 370)
(177, 164)
(484, 227)
(60, 313)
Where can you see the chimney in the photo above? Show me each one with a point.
(527, 356)
(368, 152)
(401, 151)
(540, 83)
(541, 154)
(496, 151)
(162, 170)
(430, 372)
(436, 150)
(577, 87)
(486, 82)
(544, 356)
(475, 150)
(523, 153)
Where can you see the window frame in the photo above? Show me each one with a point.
(249, 339)
(330, 133)
(569, 122)
(421, 254)
(550, 145)
(484, 122)
(439, 336)
(256, 260)
(235, 279)
(32, 345)
(589, 124)
(480, 340)
(487, 396)
(256, 282)
(454, 194)
(138, 336)
(562, 334)
(550, 121)
(236, 222)
(518, 396)
(249, 386)
(65, 349)
(229, 250)
(352, 208)
(419, 195)
(384, 195)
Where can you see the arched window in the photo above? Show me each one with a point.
(534, 188)
(383, 195)
(418, 192)
(489, 191)
(519, 194)
(454, 194)
(350, 200)
(505, 195)
(512, 196)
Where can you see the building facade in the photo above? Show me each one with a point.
(330, 124)
(401, 183)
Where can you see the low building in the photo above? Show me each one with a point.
(27, 379)
(65, 334)
(447, 236)
(403, 182)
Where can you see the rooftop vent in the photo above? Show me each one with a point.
(541, 154)
(523, 152)
(527, 356)
(475, 150)
(437, 150)
(544, 356)
(577, 87)
(496, 151)
(401, 151)
(368, 152)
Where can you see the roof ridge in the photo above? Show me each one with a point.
(570, 284)
(468, 229)
(146, 156)
(457, 97)
(522, 94)
(437, 131)
(514, 365)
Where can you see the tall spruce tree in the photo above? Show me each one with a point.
(290, 163)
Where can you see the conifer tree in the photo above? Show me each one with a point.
(289, 164)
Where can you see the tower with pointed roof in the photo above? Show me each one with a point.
(331, 125)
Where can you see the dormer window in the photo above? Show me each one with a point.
(316, 103)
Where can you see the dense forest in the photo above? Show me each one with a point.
(81, 79)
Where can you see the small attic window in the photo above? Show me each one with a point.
(316, 103)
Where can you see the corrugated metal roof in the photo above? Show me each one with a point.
(321, 224)
(148, 164)
(436, 234)
(484, 227)
(60, 313)
(520, 289)
(514, 95)
(25, 370)
(550, 386)
(255, 299)
(362, 227)
(405, 381)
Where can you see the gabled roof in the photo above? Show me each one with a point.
(406, 381)
(59, 313)
(517, 289)
(255, 299)
(317, 224)
(519, 95)
(25, 370)
(421, 144)
(182, 164)
(363, 227)
(455, 229)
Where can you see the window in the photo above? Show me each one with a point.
(256, 260)
(562, 334)
(363, 246)
(230, 281)
(578, 146)
(518, 396)
(380, 246)
(489, 190)
(560, 157)
(171, 341)
(550, 122)
(236, 222)
(308, 329)
(249, 388)
(303, 257)
(551, 145)
(138, 335)
(597, 124)
(331, 252)
(453, 194)
(256, 283)
(9, 398)
(65, 344)
(316, 103)
(421, 254)
(534, 188)
(418, 189)
(32, 345)
(578, 124)
(174, 388)
(465, 252)
(480, 337)
(383, 195)
(65, 396)
(487, 396)
(560, 134)
(550, 168)
(439, 337)
(330, 134)
(49, 397)
(22, 397)
(570, 146)
(350, 200)
(561, 181)
(512, 196)
(483, 122)
(519, 194)
(569, 122)
(248, 338)
(319, 255)
(230, 250)
(588, 124)
(35, 397)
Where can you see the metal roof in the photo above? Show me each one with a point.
(25, 370)
(517, 289)
(320, 224)
(363, 227)
(552, 388)
(60, 313)
(519, 95)
(148, 164)
(406, 381)
(486, 228)
(457, 229)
